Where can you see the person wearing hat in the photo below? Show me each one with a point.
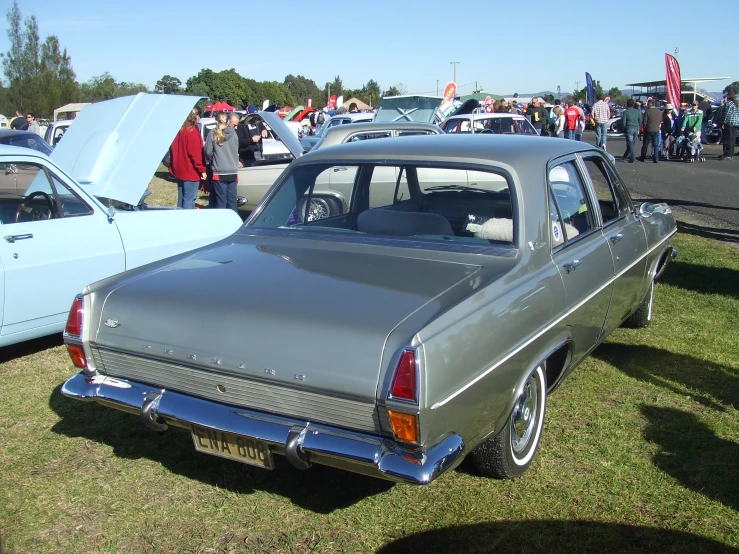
(730, 126)
(668, 141)
(693, 121)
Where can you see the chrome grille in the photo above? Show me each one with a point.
(239, 391)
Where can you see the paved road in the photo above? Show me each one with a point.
(704, 195)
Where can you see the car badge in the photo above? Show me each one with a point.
(112, 323)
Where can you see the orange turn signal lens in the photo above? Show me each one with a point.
(405, 426)
(77, 353)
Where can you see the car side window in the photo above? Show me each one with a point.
(388, 186)
(71, 203)
(557, 233)
(571, 199)
(610, 206)
(452, 126)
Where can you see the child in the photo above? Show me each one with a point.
(696, 148)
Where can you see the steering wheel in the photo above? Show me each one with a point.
(36, 214)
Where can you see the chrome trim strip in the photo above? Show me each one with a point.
(359, 452)
(550, 326)
(238, 390)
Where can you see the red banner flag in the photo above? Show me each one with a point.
(674, 83)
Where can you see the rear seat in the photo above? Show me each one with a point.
(381, 221)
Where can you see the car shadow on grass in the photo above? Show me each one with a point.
(713, 385)
(702, 279)
(693, 454)
(319, 489)
(535, 536)
(719, 233)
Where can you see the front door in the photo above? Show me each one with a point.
(626, 238)
(53, 243)
(582, 255)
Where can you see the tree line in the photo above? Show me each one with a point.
(39, 78)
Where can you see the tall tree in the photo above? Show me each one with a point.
(302, 88)
(39, 75)
(168, 85)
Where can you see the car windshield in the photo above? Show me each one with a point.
(405, 202)
(27, 140)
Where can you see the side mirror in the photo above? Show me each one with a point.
(646, 209)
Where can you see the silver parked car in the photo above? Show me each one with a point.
(429, 320)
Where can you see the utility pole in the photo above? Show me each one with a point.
(437, 87)
(577, 86)
(455, 70)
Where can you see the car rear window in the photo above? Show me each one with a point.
(405, 202)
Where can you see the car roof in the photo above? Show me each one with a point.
(515, 151)
(374, 126)
(9, 132)
(8, 150)
(487, 116)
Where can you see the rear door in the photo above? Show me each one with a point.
(581, 253)
(626, 237)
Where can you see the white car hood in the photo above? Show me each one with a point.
(422, 109)
(114, 147)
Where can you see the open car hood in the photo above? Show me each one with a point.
(114, 147)
(421, 109)
(280, 129)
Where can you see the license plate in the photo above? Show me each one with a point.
(231, 446)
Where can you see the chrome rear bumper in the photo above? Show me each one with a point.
(301, 442)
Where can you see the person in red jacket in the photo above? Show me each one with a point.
(573, 117)
(187, 165)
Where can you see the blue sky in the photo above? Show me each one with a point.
(410, 41)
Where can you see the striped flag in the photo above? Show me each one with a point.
(673, 80)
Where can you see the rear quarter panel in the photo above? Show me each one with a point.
(149, 236)
(477, 355)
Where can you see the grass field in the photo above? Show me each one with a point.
(640, 453)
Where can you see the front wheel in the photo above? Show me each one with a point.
(510, 452)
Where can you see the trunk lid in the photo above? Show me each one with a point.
(303, 316)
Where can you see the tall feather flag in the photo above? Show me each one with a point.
(591, 89)
(673, 80)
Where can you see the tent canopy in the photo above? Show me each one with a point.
(360, 105)
(223, 107)
(70, 108)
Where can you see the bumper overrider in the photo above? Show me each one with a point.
(302, 443)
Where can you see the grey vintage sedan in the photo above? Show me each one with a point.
(464, 278)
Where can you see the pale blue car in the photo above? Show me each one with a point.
(74, 218)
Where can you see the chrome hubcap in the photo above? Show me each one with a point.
(318, 209)
(523, 420)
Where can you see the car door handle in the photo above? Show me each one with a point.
(12, 238)
(617, 238)
(572, 266)
(339, 169)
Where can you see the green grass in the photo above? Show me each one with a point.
(164, 190)
(640, 453)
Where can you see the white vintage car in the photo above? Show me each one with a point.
(76, 217)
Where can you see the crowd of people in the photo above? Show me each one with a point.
(678, 132)
(212, 165)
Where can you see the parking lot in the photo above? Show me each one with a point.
(703, 195)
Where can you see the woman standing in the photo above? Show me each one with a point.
(186, 163)
(559, 123)
(222, 154)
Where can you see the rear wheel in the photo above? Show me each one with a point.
(510, 452)
(320, 208)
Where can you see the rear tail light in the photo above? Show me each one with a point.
(74, 321)
(405, 379)
(405, 426)
(73, 330)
